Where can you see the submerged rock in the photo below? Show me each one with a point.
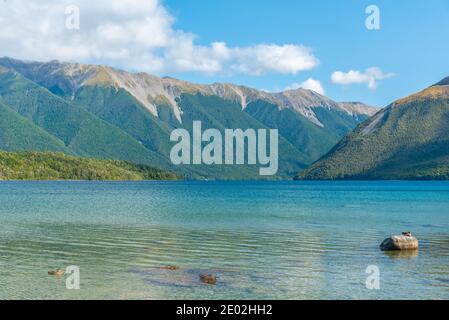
(404, 242)
(57, 273)
(208, 279)
(170, 268)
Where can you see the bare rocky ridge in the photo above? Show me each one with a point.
(357, 108)
(149, 89)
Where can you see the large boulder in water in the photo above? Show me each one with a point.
(404, 242)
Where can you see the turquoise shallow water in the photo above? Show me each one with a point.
(264, 240)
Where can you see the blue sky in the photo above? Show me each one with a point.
(413, 42)
(266, 44)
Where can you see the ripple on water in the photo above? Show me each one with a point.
(302, 251)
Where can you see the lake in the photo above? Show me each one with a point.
(263, 240)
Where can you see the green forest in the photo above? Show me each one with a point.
(58, 166)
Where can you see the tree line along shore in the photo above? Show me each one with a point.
(58, 166)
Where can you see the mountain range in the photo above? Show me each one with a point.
(409, 139)
(100, 112)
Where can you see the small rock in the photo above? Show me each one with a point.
(170, 268)
(57, 273)
(208, 279)
(404, 242)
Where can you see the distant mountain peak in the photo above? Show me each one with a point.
(356, 107)
(437, 91)
(444, 82)
(406, 140)
(433, 92)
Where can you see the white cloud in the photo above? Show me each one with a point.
(133, 34)
(370, 77)
(309, 84)
(282, 59)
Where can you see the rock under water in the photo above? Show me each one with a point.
(208, 279)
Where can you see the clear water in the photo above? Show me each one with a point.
(264, 240)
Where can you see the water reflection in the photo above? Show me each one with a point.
(402, 254)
